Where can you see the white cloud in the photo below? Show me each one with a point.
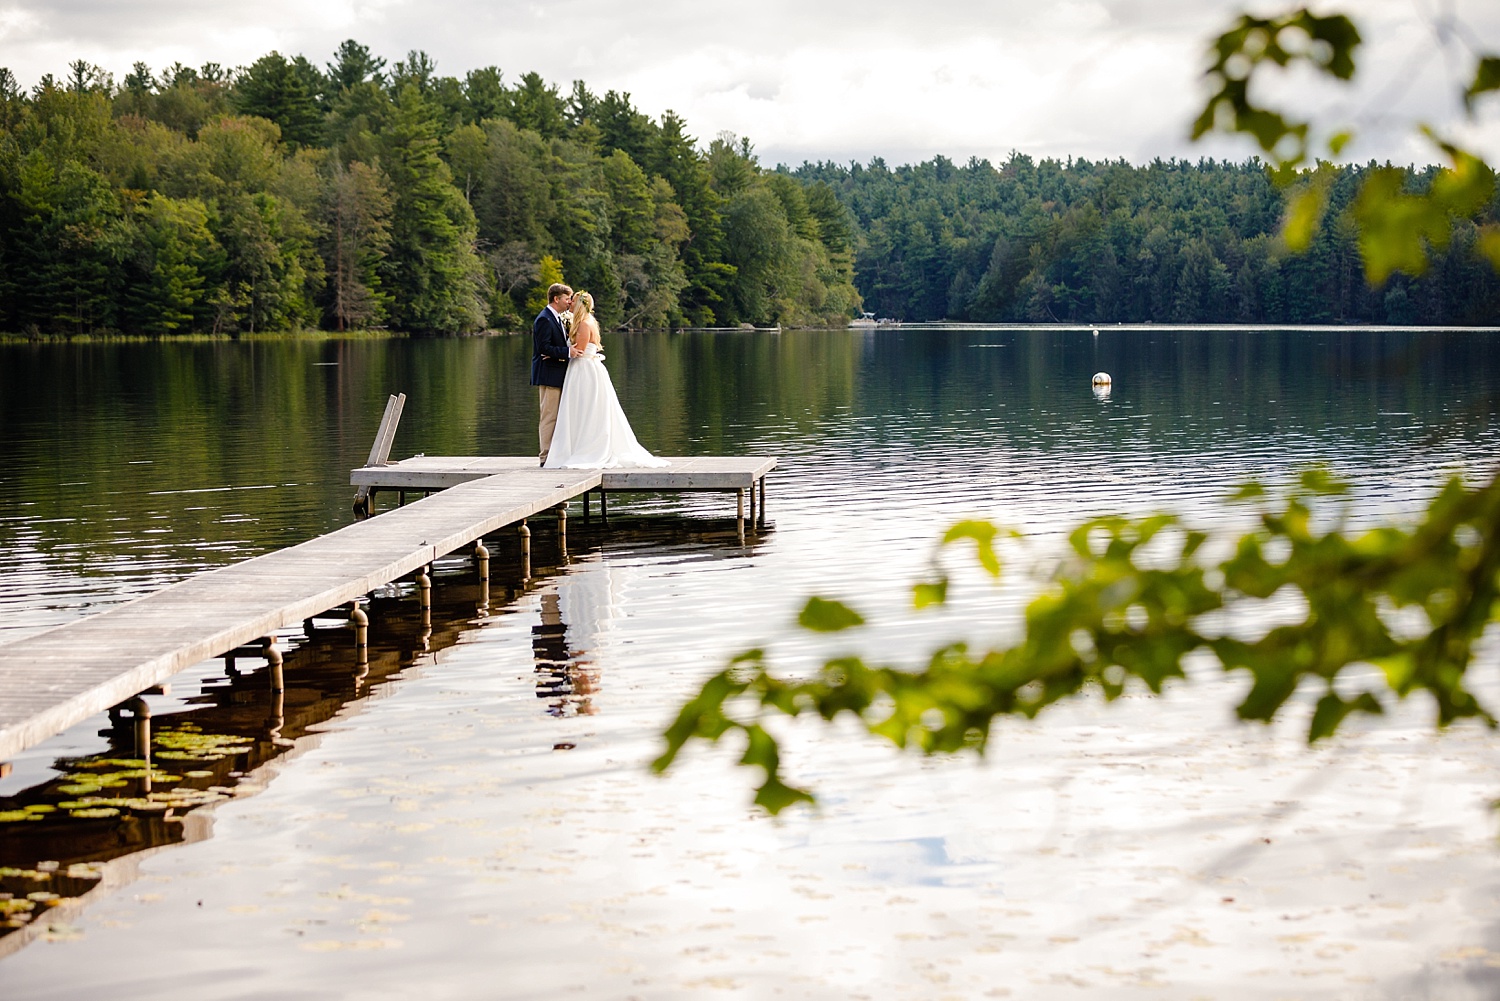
(839, 80)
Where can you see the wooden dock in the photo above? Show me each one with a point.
(50, 681)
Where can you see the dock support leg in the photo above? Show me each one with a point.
(424, 598)
(361, 623)
(562, 527)
(273, 663)
(762, 502)
(400, 498)
(525, 533)
(603, 505)
(141, 710)
(739, 513)
(586, 505)
(753, 522)
(482, 565)
(424, 587)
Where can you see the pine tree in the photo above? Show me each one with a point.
(277, 90)
(432, 272)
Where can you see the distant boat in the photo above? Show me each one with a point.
(865, 320)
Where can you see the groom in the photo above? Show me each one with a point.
(550, 352)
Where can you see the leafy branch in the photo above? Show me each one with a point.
(1398, 227)
(1132, 600)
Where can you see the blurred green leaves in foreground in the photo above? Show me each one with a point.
(1132, 598)
(1400, 219)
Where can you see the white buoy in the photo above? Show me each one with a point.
(1102, 379)
(1096, 331)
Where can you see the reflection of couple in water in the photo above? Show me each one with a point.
(576, 615)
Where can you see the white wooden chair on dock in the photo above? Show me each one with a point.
(380, 452)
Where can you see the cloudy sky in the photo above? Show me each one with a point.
(827, 79)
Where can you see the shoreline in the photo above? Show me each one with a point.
(313, 336)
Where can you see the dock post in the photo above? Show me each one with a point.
(424, 587)
(307, 627)
(424, 597)
(273, 662)
(739, 512)
(482, 560)
(753, 522)
(603, 504)
(762, 502)
(586, 504)
(141, 710)
(562, 526)
(525, 533)
(361, 623)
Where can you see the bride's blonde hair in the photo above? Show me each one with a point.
(583, 305)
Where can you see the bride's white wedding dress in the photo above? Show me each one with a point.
(592, 432)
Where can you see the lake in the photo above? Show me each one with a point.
(472, 815)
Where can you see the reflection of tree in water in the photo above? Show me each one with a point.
(565, 643)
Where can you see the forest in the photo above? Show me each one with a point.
(284, 196)
(1105, 242)
(356, 195)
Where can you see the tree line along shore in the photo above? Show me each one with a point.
(359, 195)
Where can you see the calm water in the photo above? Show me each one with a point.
(472, 815)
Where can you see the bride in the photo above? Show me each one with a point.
(592, 432)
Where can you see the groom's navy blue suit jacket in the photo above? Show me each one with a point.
(549, 349)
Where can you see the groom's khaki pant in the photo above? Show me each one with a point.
(550, 397)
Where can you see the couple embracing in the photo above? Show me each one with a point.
(582, 425)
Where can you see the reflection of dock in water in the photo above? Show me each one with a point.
(91, 824)
(123, 802)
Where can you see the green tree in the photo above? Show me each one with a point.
(534, 104)
(549, 273)
(356, 210)
(169, 267)
(485, 90)
(432, 272)
(281, 91)
(353, 64)
(265, 270)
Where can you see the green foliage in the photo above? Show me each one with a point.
(1096, 242)
(1327, 43)
(282, 92)
(824, 616)
(432, 271)
(1401, 225)
(549, 273)
(1133, 598)
(355, 208)
(357, 195)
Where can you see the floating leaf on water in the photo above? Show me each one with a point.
(95, 813)
(40, 808)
